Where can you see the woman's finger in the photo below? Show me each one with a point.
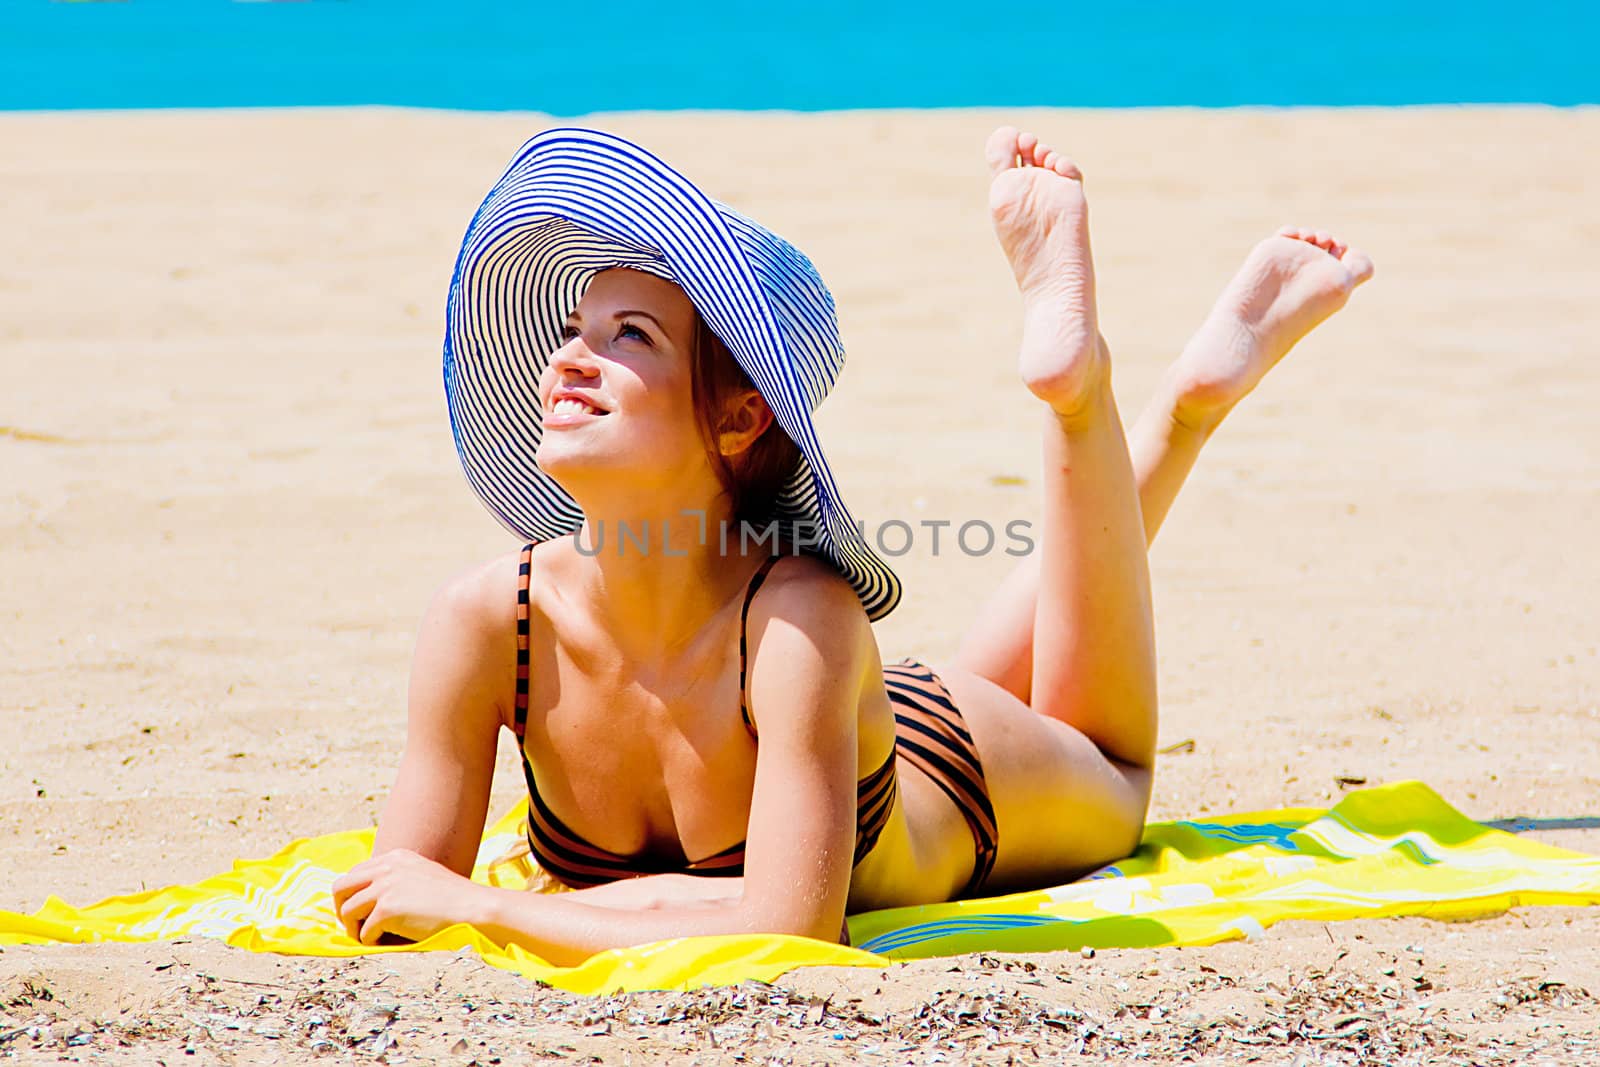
(372, 927)
(356, 877)
(355, 909)
(347, 885)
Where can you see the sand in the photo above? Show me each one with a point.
(227, 490)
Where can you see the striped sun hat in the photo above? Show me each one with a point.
(575, 202)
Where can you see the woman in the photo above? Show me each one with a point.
(711, 741)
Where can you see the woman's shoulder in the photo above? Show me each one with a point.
(812, 650)
(466, 654)
(482, 598)
(813, 598)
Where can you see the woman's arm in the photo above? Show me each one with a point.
(461, 675)
(812, 653)
(658, 892)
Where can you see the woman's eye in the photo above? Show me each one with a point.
(568, 332)
(629, 330)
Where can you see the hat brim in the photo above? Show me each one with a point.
(573, 203)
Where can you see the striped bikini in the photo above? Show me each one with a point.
(929, 734)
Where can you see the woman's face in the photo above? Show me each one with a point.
(618, 394)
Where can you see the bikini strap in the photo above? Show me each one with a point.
(524, 572)
(744, 645)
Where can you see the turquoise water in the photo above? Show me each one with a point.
(578, 57)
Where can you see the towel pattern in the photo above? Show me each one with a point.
(1391, 850)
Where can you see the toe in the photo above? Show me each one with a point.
(1359, 264)
(1027, 145)
(1000, 151)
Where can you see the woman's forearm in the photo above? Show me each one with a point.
(654, 892)
(566, 930)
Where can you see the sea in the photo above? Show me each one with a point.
(582, 56)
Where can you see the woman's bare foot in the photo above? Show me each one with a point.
(1042, 220)
(1289, 284)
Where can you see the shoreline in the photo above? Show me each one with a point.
(824, 113)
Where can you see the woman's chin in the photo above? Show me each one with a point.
(559, 459)
(574, 469)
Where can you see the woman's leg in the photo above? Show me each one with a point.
(1288, 284)
(1094, 652)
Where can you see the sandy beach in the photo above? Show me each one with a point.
(227, 490)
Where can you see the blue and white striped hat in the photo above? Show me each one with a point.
(575, 202)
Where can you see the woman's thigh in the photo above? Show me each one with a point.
(1062, 807)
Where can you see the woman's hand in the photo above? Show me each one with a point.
(403, 894)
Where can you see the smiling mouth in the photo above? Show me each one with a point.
(571, 405)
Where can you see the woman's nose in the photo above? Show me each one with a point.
(574, 357)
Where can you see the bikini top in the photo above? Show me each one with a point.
(578, 863)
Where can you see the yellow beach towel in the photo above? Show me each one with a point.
(1392, 850)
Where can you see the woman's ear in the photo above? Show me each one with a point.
(743, 423)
